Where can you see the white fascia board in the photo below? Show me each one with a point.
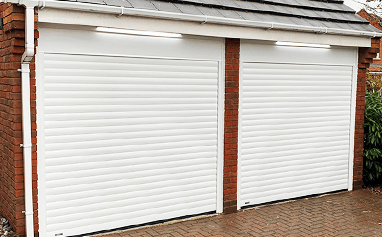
(188, 17)
(196, 25)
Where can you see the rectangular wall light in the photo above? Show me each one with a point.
(302, 44)
(138, 32)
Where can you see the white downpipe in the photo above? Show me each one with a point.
(26, 111)
(26, 117)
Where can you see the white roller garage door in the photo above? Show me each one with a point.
(295, 125)
(127, 140)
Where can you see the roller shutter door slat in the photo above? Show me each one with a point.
(122, 94)
(284, 161)
(117, 115)
(295, 153)
(82, 211)
(296, 81)
(142, 101)
(127, 140)
(302, 93)
(137, 81)
(262, 117)
(113, 180)
(295, 130)
(163, 154)
(114, 189)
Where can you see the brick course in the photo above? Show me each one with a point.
(365, 57)
(11, 154)
(231, 111)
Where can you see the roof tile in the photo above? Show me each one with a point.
(210, 11)
(142, 4)
(165, 6)
(229, 3)
(188, 9)
(230, 14)
(117, 3)
(210, 2)
(249, 16)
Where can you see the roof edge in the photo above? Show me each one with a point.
(193, 18)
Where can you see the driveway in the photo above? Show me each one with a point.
(357, 213)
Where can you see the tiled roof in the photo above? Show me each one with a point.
(326, 14)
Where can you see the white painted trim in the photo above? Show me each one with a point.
(239, 131)
(220, 158)
(88, 41)
(352, 122)
(41, 142)
(224, 29)
(268, 52)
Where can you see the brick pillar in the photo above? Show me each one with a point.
(231, 111)
(11, 154)
(365, 57)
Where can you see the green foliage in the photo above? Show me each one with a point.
(373, 139)
(373, 81)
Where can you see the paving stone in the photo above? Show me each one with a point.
(357, 213)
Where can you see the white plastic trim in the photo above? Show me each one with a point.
(352, 121)
(239, 135)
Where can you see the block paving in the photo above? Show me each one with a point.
(356, 213)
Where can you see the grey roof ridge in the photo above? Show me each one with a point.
(223, 6)
(69, 5)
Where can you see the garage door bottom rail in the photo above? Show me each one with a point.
(293, 199)
(147, 224)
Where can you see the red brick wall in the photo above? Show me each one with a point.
(365, 57)
(374, 21)
(231, 111)
(11, 154)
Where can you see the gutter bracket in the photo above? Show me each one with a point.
(26, 146)
(25, 70)
(270, 28)
(41, 4)
(120, 14)
(205, 20)
(27, 213)
(323, 30)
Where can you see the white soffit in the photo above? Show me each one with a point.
(69, 17)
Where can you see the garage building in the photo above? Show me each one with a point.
(131, 112)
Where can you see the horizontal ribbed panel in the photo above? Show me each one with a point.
(295, 130)
(127, 140)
